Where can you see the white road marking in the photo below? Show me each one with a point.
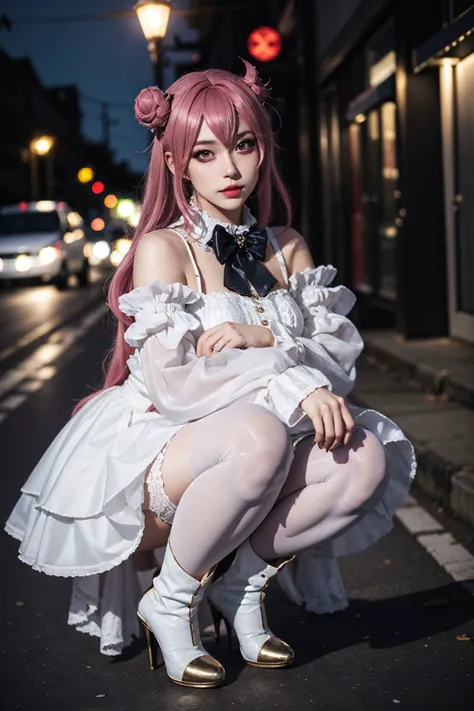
(441, 545)
(30, 374)
(14, 401)
(417, 520)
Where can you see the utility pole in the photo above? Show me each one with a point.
(105, 118)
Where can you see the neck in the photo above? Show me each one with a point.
(234, 217)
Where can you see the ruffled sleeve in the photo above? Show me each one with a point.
(325, 354)
(182, 386)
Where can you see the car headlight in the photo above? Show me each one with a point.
(101, 249)
(23, 263)
(48, 255)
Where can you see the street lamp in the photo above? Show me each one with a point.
(41, 146)
(153, 16)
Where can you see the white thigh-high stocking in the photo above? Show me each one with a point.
(324, 495)
(237, 461)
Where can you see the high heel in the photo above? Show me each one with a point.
(168, 613)
(151, 644)
(217, 618)
(237, 598)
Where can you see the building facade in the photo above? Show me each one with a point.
(395, 127)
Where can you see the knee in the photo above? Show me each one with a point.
(368, 471)
(264, 451)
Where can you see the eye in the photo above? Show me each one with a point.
(203, 156)
(246, 145)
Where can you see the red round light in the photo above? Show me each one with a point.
(23, 206)
(264, 44)
(98, 187)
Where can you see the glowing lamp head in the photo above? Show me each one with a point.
(42, 145)
(153, 16)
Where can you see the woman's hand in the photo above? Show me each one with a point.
(233, 335)
(332, 420)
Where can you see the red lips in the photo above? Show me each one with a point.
(232, 191)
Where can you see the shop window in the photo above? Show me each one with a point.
(465, 186)
(374, 195)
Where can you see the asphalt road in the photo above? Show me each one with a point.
(404, 642)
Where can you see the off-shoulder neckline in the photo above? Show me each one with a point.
(231, 294)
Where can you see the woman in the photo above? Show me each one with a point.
(223, 422)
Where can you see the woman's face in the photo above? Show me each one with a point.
(213, 168)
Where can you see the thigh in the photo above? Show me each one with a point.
(312, 465)
(238, 430)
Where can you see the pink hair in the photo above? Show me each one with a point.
(219, 98)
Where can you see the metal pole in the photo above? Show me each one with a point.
(50, 176)
(34, 175)
(154, 48)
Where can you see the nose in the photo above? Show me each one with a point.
(230, 167)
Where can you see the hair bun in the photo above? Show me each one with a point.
(152, 108)
(254, 82)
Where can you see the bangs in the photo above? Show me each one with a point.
(219, 112)
(222, 112)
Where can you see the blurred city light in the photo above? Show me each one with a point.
(97, 224)
(125, 208)
(42, 145)
(153, 16)
(110, 201)
(98, 187)
(123, 245)
(23, 206)
(264, 44)
(101, 250)
(134, 219)
(85, 175)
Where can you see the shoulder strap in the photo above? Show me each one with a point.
(279, 254)
(197, 274)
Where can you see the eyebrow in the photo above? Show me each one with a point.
(212, 142)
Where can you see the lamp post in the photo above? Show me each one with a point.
(153, 16)
(41, 146)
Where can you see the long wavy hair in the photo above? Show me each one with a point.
(175, 117)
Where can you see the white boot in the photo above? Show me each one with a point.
(237, 597)
(168, 611)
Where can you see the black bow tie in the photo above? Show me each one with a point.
(242, 256)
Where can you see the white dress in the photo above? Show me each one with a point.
(80, 511)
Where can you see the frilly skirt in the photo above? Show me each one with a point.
(80, 514)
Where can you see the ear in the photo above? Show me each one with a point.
(169, 161)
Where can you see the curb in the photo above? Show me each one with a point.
(444, 481)
(436, 381)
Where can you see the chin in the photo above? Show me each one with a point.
(225, 203)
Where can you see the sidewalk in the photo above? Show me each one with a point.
(427, 388)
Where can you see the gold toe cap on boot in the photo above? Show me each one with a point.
(274, 654)
(204, 672)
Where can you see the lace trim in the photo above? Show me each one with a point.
(159, 501)
(206, 222)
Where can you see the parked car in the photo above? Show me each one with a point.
(43, 239)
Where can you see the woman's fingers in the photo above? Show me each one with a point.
(349, 423)
(339, 428)
(318, 430)
(328, 422)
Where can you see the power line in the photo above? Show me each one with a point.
(121, 15)
(119, 105)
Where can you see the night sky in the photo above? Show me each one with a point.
(108, 60)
